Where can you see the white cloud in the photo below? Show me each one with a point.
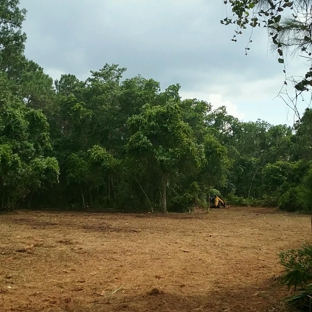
(215, 100)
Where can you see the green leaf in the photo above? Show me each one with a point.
(251, 5)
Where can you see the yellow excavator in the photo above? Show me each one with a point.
(216, 202)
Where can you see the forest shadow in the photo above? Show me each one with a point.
(266, 297)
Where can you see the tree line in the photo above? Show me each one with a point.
(126, 145)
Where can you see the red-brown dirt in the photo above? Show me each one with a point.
(226, 260)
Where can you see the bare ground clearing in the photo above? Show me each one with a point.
(226, 260)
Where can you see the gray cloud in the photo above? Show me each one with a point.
(169, 40)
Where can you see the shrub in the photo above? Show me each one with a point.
(292, 200)
(215, 192)
(269, 201)
(182, 203)
(297, 276)
(235, 200)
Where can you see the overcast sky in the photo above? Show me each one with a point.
(171, 41)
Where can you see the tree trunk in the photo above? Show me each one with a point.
(208, 192)
(164, 193)
(82, 197)
(253, 178)
(148, 200)
(90, 197)
(29, 201)
(108, 191)
(1, 194)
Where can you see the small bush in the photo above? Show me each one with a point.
(182, 203)
(292, 200)
(297, 276)
(215, 192)
(235, 200)
(269, 201)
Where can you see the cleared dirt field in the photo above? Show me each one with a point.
(226, 260)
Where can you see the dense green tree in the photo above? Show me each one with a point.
(276, 177)
(279, 143)
(215, 166)
(245, 143)
(303, 137)
(24, 145)
(125, 144)
(12, 39)
(103, 169)
(161, 140)
(101, 96)
(307, 185)
(195, 113)
(77, 177)
(35, 87)
(69, 85)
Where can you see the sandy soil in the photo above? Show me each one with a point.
(226, 260)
